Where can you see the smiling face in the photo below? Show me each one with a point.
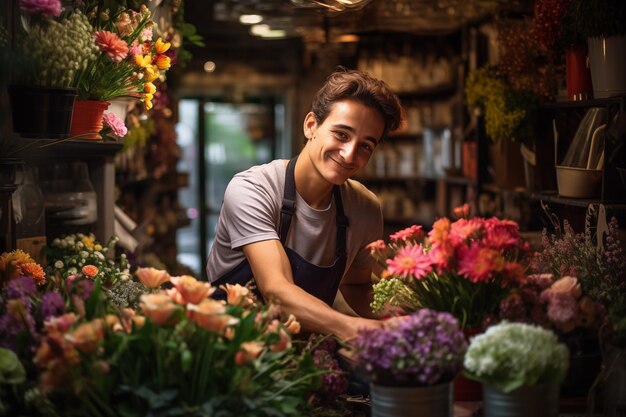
(344, 142)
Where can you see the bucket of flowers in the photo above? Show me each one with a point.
(411, 363)
(521, 367)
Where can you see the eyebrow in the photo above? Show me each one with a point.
(351, 129)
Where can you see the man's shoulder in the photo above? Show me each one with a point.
(359, 193)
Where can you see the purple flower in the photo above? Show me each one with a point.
(21, 288)
(47, 8)
(52, 305)
(116, 124)
(424, 348)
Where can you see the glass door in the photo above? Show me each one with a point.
(235, 136)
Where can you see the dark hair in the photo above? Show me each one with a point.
(344, 84)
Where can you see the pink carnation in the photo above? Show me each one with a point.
(116, 124)
(47, 8)
(112, 45)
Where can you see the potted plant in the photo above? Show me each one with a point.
(127, 64)
(520, 366)
(602, 23)
(411, 363)
(48, 51)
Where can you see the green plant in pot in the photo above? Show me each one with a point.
(602, 24)
(48, 51)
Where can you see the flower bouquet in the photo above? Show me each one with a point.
(462, 267)
(511, 355)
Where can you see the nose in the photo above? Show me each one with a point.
(348, 151)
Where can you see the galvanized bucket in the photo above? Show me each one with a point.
(527, 401)
(434, 401)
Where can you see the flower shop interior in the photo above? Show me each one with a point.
(123, 121)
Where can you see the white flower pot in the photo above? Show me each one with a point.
(607, 60)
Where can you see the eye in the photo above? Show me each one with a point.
(368, 147)
(340, 135)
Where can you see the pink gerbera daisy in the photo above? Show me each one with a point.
(111, 44)
(414, 233)
(478, 264)
(410, 261)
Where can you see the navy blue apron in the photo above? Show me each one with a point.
(319, 281)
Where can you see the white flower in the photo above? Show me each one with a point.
(58, 264)
(84, 253)
(72, 271)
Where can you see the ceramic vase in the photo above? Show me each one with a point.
(577, 73)
(87, 120)
(526, 401)
(426, 401)
(607, 59)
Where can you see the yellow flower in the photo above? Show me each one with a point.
(147, 103)
(88, 241)
(161, 47)
(143, 60)
(151, 73)
(149, 88)
(162, 62)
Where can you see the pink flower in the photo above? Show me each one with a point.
(461, 212)
(135, 49)
(211, 315)
(541, 280)
(567, 285)
(190, 290)
(414, 233)
(159, 307)
(146, 34)
(562, 309)
(463, 229)
(124, 25)
(116, 124)
(111, 44)
(501, 234)
(410, 261)
(47, 8)
(478, 264)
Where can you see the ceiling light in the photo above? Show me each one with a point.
(250, 19)
(209, 66)
(259, 30)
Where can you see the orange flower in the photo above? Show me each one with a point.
(159, 307)
(238, 295)
(292, 325)
(34, 270)
(248, 352)
(161, 47)
(90, 271)
(284, 341)
(191, 290)
(152, 277)
(209, 315)
(87, 336)
(567, 285)
(162, 62)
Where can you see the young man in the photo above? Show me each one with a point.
(298, 229)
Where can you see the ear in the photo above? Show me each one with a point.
(309, 126)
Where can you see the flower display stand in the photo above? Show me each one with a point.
(412, 401)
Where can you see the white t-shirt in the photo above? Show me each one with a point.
(251, 213)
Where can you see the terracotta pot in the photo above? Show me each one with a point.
(470, 159)
(87, 120)
(507, 164)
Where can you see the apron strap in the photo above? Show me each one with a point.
(289, 208)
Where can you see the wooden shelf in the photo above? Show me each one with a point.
(71, 148)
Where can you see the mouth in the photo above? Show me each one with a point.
(337, 160)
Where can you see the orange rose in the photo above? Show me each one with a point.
(152, 277)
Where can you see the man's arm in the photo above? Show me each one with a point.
(356, 288)
(272, 273)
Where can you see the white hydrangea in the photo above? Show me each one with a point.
(509, 355)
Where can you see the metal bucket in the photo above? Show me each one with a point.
(434, 401)
(527, 401)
